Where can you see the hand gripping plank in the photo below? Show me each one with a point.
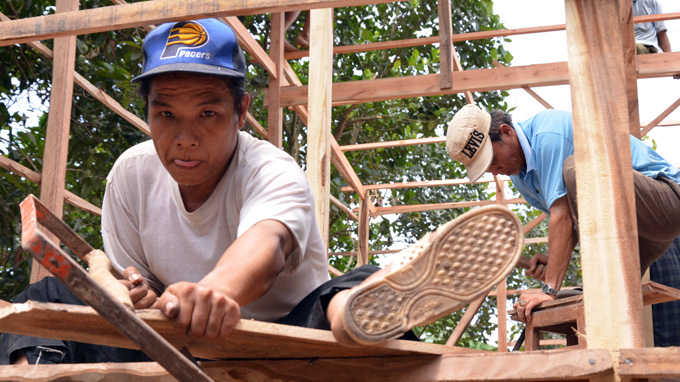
(87, 289)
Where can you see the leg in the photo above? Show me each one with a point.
(303, 38)
(657, 204)
(288, 20)
(441, 273)
(666, 271)
(14, 348)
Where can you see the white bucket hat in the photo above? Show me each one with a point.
(467, 140)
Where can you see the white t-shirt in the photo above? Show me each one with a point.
(646, 32)
(145, 224)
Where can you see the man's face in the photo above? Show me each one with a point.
(508, 157)
(194, 128)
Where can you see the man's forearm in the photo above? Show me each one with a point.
(560, 243)
(664, 41)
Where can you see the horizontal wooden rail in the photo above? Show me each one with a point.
(391, 144)
(424, 183)
(438, 206)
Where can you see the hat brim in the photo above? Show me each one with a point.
(190, 68)
(478, 167)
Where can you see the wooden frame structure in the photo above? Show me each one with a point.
(603, 83)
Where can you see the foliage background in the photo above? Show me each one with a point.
(98, 136)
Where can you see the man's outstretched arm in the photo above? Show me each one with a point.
(244, 273)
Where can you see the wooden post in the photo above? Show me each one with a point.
(319, 129)
(58, 127)
(364, 230)
(630, 65)
(501, 301)
(275, 116)
(445, 45)
(607, 221)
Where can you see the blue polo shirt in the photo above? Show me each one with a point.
(547, 140)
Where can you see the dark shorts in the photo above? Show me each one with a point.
(309, 313)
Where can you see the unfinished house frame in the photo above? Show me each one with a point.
(602, 72)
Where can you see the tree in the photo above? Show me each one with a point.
(99, 136)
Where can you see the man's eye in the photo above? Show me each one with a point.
(166, 114)
(209, 113)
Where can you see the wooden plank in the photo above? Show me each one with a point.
(390, 144)
(456, 65)
(660, 118)
(500, 189)
(343, 208)
(438, 206)
(464, 321)
(275, 115)
(153, 12)
(250, 339)
(478, 80)
(36, 178)
(603, 173)
(445, 44)
(364, 230)
(649, 362)
(320, 115)
(55, 154)
(555, 365)
(256, 125)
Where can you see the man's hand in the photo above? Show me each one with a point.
(198, 311)
(537, 266)
(527, 302)
(142, 296)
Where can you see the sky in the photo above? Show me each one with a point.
(654, 95)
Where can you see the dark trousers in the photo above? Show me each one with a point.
(657, 208)
(309, 313)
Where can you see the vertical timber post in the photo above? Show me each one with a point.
(275, 116)
(319, 129)
(445, 45)
(364, 230)
(604, 178)
(55, 155)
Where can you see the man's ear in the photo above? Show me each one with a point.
(506, 129)
(243, 109)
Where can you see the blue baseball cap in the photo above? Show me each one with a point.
(206, 46)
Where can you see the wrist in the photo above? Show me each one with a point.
(549, 290)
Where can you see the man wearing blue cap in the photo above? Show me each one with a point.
(210, 225)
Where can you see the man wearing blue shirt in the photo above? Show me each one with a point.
(537, 154)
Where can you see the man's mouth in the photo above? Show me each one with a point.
(186, 163)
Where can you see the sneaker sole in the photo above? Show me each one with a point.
(468, 256)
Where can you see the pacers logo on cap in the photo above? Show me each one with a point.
(184, 38)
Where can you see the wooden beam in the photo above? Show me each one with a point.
(390, 144)
(469, 314)
(649, 363)
(478, 80)
(534, 222)
(345, 169)
(570, 364)
(630, 65)
(36, 178)
(275, 115)
(445, 44)
(343, 208)
(154, 12)
(607, 222)
(250, 45)
(456, 65)
(364, 230)
(320, 114)
(250, 339)
(409, 43)
(424, 183)
(660, 118)
(537, 97)
(501, 307)
(55, 154)
(438, 206)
